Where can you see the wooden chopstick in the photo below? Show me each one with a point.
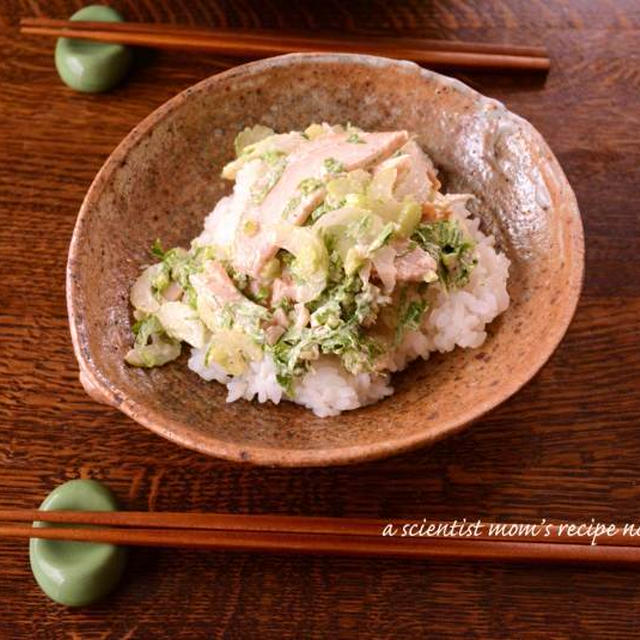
(340, 536)
(327, 544)
(264, 523)
(264, 43)
(276, 36)
(208, 521)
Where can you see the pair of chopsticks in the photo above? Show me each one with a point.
(296, 534)
(435, 53)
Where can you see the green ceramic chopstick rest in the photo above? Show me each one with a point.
(76, 573)
(92, 67)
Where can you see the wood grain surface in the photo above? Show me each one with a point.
(566, 447)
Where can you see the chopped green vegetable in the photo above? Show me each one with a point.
(355, 139)
(249, 136)
(291, 206)
(314, 131)
(273, 157)
(382, 238)
(450, 247)
(262, 294)
(266, 146)
(333, 166)
(353, 184)
(309, 185)
(410, 314)
(241, 280)
(410, 215)
(296, 350)
(144, 328)
(176, 266)
(156, 249)
(353, 260)
(181, 322)
(250, 227)
(247, 317)
(159, 352)
(160, 281)
(233, 351)
(262, 187)
(152, 347)
(318, 212)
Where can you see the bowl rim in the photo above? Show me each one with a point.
(103, 390)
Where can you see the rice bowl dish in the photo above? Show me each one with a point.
(335, 262)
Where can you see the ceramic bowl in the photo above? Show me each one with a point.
(163, 179)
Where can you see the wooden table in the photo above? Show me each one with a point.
(566, 447)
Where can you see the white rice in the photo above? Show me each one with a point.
(457, 318)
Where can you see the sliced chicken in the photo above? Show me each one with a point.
(384, 266)
(283, 288)
(173, 292)
(299, 190)
(273, 333)
(414, 266)
(219, 284)
(280, 317)
(301, 316)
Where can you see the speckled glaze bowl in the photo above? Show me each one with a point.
(162, 180)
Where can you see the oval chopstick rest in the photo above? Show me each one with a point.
(76, 573)
(92, 67)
